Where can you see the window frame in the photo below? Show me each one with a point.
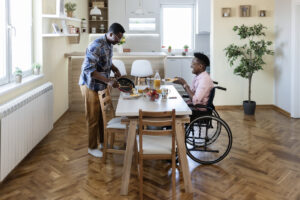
(9, 31)
(185, 5)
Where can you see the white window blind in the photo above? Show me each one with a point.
(177, 26)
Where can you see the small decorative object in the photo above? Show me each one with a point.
(262, 13)
(101, 18)
(183, 53)
(55, 28)
(249, 56)
(94, 18)
(226, 12)
(72, 29)
(186, 48)
(94, 29)
(245, 11)
(126, 50)
(83, 25)
(99, 4)
(18, 75)
(102, 29)
(95, 11)
(169, 49)
(64, 27)
(70, 8)
(36, 68)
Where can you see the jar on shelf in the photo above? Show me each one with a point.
(102, 28)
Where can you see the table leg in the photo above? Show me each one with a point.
(128, 157)
(180, 139)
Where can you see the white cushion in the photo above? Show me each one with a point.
(116, 120)
(116, 125)
(156, 144)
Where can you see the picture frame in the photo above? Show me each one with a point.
(55, 28)
(262, 13)
(245, 10)
(226, 12)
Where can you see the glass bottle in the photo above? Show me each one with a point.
(156, 82)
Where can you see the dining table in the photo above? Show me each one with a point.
(129, 108)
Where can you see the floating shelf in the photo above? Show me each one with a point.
(61, 17)
(59, 35)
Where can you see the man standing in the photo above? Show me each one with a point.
(94, 77)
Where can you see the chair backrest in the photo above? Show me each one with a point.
(210, 102)
(121, 66)
(106, 105)
(141, 68)
(156, 119)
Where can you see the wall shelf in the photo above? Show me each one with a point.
(59, 35)
(61, 18)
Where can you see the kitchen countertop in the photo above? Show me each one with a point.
(124, 55)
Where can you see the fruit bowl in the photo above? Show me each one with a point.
(153, 95)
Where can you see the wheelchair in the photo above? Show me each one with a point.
(208, 138)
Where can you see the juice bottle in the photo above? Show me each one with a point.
(156, 82)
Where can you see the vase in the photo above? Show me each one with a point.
(70, 14)
(36, 71)
(120, 48)
(18, 78)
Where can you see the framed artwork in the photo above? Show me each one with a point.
(245, 11)
(262, 13)
(226, 12)
(55, 28)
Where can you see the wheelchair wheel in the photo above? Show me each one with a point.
(208, 139)
(190, 133)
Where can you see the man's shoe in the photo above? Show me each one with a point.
(95, 152)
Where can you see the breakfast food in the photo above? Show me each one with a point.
(170, 79)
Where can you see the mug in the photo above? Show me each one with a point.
(93, 29)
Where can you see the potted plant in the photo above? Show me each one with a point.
(36, 68)
(169, 49)
(186, 48)
(70, 8)
(120, 44)
(248, 58)
(18, 75)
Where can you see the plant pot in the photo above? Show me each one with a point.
(249, 107)
(36, 71)
(18, 78)
(186, 50)
(70, 14)
(169, 50)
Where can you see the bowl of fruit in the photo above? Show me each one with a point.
(153, 95)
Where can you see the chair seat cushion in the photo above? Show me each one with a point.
(116, 120)
(156, 144)
(116, 125)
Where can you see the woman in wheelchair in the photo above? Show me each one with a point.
(208, 137)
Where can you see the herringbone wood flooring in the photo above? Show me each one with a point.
(264, 163)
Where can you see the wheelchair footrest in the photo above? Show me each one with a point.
(203, 150)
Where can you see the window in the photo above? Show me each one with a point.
(142, 24)
(177, 26)
(15, 38)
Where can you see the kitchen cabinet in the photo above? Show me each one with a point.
(180, 67)
(117, 13)
(203, 12)
(150, 8)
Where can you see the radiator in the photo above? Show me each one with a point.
(24, 122)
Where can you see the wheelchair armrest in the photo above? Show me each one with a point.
(185, 96)
(215, 82)
(221, 88)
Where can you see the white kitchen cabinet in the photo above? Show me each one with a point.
(117, 13)
(203, 12)
(180, 67)
(150, 8)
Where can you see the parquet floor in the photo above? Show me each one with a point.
(264, 163)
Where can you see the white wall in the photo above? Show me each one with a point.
(223, 35)
(282, 67)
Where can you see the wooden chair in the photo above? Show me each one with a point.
(156, 144)
(111, 126)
